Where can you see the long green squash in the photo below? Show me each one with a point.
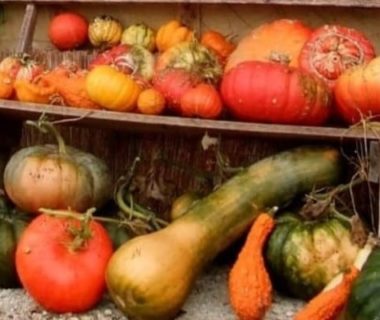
(151, 276)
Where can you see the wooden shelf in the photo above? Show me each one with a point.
(335, 3)
(145, 123)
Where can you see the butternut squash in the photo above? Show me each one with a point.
(150, 276)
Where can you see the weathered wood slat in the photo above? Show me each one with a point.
(339, 3)
(27, 29)
(146, 123)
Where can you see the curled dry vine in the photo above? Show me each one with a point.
(142, 219)
(322, 201)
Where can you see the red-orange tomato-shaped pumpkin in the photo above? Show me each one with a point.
(68, 30)
(278, 41)
(274, 93)
(55, 274)
(202, 101)
(357, 92)
(332, 49)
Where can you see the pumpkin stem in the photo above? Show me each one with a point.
(81, 234)
(136, 228)
(46, 126)
(279, 57)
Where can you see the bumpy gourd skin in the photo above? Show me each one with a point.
(328, 305)
(250, 287)
(150, 276)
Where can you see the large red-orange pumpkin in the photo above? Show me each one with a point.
(274, 93)
(332, 49)
(278, 41)
(357, 92)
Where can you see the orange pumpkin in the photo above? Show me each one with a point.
(172, 33)
(112, 89)
(56, 177)
(202, 101)
(151, 101)
(38, 91)
(357, 92)
(279, 41)
(218, 43)
(6, 86)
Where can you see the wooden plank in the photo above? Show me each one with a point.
(147, 123)
(335, 3)
(27, 29)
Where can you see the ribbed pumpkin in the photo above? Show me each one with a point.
(56, 177)
(112, 89)
(277, 41)
(357, 92)
(139, 34)
(104, 31)
(172, 33)
(274, 93)
(364, 300)
(304, 255)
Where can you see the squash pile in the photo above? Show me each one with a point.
(51, 237)
(282, 72)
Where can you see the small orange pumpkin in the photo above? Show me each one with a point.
(112, 89)
(202, 101)
(218, 43)
(6, 86)
(151, 101)
(38, 91)
(172, 33)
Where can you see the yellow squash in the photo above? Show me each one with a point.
(112, 89)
